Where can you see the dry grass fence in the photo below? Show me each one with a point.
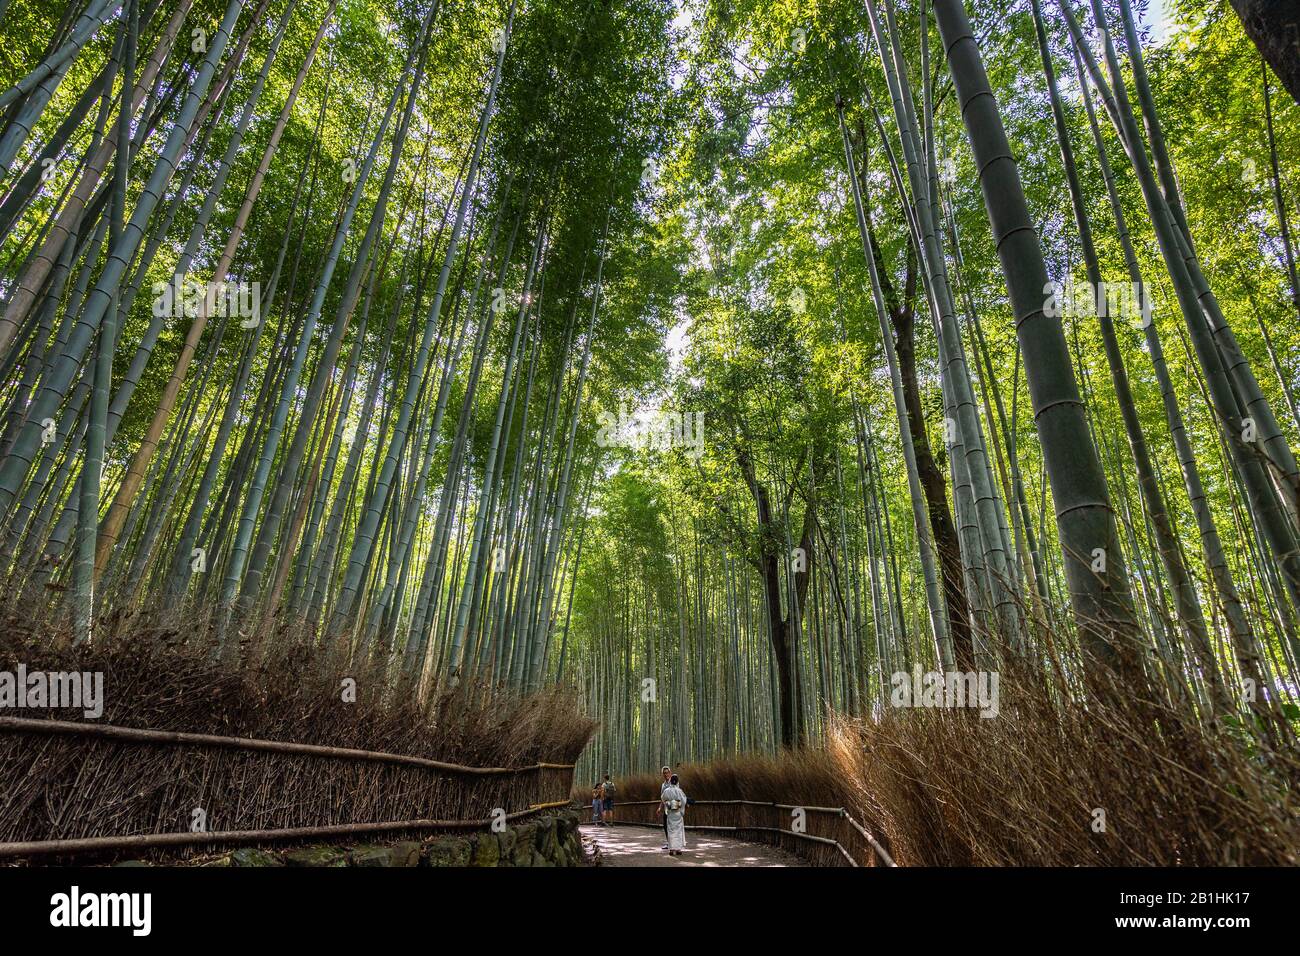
(69, 786)
(936, 787)
(948, 788)
(1051, 782)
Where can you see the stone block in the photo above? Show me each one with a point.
(252, 856)
(315, 856)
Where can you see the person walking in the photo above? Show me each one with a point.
(666, 773)
(607, 792)
(673, 800)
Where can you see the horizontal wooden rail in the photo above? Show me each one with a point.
(720, 829)
(838, 811)
(143, 736)
(881, 853)
(218, 837)
(802, 836)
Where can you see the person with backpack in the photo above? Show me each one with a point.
(607, 791)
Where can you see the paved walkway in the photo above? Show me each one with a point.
(641, 846)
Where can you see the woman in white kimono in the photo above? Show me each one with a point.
(674, 806)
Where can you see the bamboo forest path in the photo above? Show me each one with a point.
(642, 846)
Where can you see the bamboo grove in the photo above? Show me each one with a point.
(434, 237)
(722, 359)
(990, 382)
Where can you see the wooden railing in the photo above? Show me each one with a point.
(541, 786)
(833, 828)
(144, 841)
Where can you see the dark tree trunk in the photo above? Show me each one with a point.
(784, 669)
(1274, 27)
(936, 494)
(902, 316)
(780, 625)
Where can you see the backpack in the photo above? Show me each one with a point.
(610, 789)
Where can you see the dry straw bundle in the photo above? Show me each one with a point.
(1051, 782)
(283, 688)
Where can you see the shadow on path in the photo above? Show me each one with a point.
(641, 846)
